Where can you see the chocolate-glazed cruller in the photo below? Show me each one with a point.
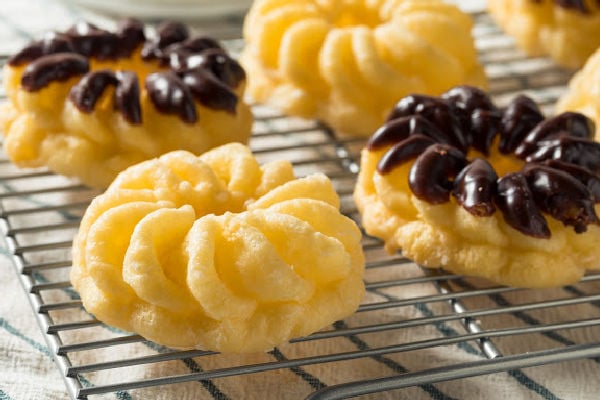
(218, 253)
(505, 194)
(88, 102)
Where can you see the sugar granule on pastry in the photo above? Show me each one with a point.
(566, 30)
(218, 253)
(583, 92)
(88, 103)
(347, 62)
(509, 195)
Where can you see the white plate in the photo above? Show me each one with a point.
(165, 9)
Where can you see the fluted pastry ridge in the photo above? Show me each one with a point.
(566, 30)
(347, 62)
(218, 253)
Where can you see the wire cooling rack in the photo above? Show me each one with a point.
(40, 212)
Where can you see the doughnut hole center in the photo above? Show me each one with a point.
(356, 14)
(134, 63)
(503, 163)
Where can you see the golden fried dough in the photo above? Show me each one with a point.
(583, 92)
(218, 253)
(348, 62)
(567, 31)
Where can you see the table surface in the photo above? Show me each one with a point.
(27, 369)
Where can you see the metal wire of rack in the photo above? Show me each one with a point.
(39, 214)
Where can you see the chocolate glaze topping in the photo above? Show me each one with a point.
(484, 126)
(561, 195)
(561, 173)
(199, 69)
(166, 33)
(515, 200)
(519, 118)
(126, 97)
(407, 149)
(399, 129)
(90, 41)
(578, 5)
(437, 111)
(50, 43)
(572, 150)
(574, 124)
(170, 95)
(583, 175)
(475, 187)
(56, 67)
(87, 40)
(434, 170)
(204, 85)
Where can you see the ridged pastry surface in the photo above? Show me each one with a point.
(218, 253)
(567, 31)
(347, 62)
